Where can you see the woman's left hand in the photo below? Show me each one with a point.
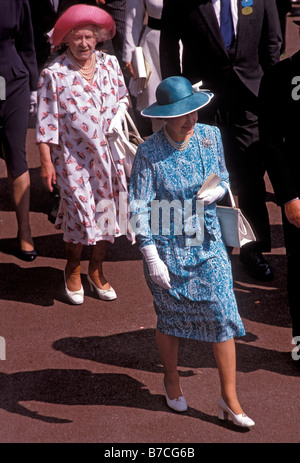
(210, 196)
(117, 120)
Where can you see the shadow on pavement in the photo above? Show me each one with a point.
(52, 247)
(130, 350)
(137, 350)
(81, 387)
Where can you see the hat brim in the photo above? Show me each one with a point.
(83, 15)
(179, 108)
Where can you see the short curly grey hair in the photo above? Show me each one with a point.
(100, 34)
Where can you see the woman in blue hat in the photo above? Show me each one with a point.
(186, 264)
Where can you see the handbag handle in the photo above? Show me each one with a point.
(231, 197)
(127, 119)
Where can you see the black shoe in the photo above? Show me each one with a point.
(27, 256)
(256, 265)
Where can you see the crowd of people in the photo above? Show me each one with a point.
(219, 100)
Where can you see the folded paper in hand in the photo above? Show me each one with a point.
(142, 70)
(211, 182)
(235, 228)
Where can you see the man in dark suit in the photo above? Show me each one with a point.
(116, 8)
(231, 66)
(44, 15)
(279, 122)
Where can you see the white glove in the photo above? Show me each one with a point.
(33, 103)
(116, 122)
(210, 196)
(158, 270)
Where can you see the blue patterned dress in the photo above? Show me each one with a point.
(201, 303)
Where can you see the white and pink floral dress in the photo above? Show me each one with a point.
(73, 118)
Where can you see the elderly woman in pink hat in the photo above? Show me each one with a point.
(81, 97)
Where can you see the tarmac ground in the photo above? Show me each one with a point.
(92, 374)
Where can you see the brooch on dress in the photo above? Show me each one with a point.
(206, 142)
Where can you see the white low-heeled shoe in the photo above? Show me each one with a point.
(75, 297)
(179, 404)
(104, 294)
(240, 420)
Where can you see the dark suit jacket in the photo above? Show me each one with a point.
(17, 54)
(43, 19)
(279, 123)
(204, 54)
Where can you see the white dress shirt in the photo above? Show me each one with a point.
(234, 12)
(55, 5)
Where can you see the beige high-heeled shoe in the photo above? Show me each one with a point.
(240, 420)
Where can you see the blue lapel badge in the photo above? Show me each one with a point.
(247, 7)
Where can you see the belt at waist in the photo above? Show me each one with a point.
(154, 23)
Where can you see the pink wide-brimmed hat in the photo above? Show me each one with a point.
(83, 15)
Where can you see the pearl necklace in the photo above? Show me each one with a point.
(86, 71)
(179, 146)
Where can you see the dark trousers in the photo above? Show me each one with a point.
(292, 244)
(244, 159)
(235, 113)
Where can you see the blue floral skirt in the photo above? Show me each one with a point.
(201, 303)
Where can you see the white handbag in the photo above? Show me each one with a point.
(236, 230)
(131, 141)
(124, 143)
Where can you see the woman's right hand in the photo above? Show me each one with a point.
(158, 270)
(48, 173)
(129, 68)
